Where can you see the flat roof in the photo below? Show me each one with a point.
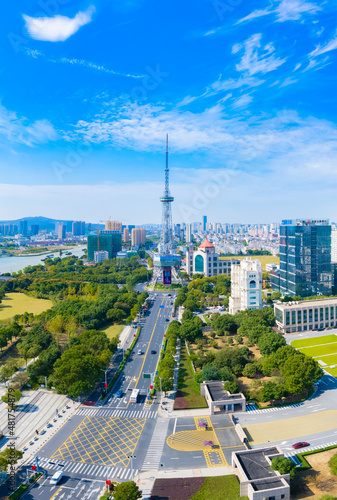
(268, 485)
(255, 465)
(218, 393)
(306, 303)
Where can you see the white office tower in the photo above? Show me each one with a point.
(100, 256)
(334, 245)
(246, 286)
(188, 233)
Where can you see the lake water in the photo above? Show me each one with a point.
(15, 264)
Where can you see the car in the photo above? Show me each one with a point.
(153, 351)
(166, 319)
(139, 351)
(301, 444)
(119, 393)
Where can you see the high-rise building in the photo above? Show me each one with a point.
(138, 236)
(126, 235)
(100, 256)
(107, 241)
(78, 228)
(204, 222)
(34, 229)
(62, 231)
(246, 286)
(188, 233)
(23, 227)
(113, 225)
(334, 245)
(305, 258)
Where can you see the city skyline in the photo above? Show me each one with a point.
(251, 118)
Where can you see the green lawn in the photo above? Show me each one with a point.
(332, 371)
(112, 330)
(220, 488)
(326, 339)
(329, 360)
(264, 259)
(186, 383)
(19, 303)
(320, 350)
(208, 321)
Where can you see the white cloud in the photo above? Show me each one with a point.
(288, 81)
(233, 83)
(322, 49)
(286, 10)
(243, 101)
(256, 61)
(79, 62)
(57, 28)
(18, 130)
(298, 65)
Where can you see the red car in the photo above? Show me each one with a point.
(300, 445)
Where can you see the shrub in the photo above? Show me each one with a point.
(333, 465)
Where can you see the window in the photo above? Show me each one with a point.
(331, 312)
(287, 317)
(310, 315)
(199, 264)
(252, 284)
(316, 315)
(321, 314)
(293, 317)
(299, 316)
(305, 313)
(326, 313)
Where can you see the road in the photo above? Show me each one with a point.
(97, 442)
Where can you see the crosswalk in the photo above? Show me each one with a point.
(254, 409)
(310, 448)
(155, 449)
(113, 412)
(87, 470)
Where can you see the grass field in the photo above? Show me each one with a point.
(264, 259)
(186, 384)
(112, 330)
(323, 349)
(219, 488)
(19, 303)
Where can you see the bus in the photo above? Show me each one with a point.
(134, 396)
(56, 477)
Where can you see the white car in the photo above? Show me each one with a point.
(56, 477)
(140, 352)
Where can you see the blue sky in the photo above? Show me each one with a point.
(245, 90)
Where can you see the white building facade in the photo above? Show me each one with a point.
(100, 256)
(206, 261)
(246, 286)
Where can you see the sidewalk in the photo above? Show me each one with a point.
(146, 480)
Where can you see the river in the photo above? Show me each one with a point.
(15, 264)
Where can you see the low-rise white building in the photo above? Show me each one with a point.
(206, 261)
(304, 315)
(246, 286)
(100, 256)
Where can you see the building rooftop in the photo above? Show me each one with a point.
(255, 464)
(268, 485)
(306, 303)
(218, 393)
(206, 244)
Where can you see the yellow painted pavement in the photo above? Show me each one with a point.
(291, 428)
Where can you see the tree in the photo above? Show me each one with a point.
(270, 342)
(210, 372)
(16, 394)
(187, 314)
(250, 370)
(271, 391)
(9, 456)
(283, 466)
(190, 330)
(232, 387)
(127, 491)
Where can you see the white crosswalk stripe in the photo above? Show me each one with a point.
(112, 412)
(253, 408)
(155, 450)
(94, 470)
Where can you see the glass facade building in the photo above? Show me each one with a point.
(305, 258)
(109, 241)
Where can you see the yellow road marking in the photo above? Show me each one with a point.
(147, 350)
(60, 488)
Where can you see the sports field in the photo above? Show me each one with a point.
(264, 259)
(323, 349)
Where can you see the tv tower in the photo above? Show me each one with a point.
(166, 199)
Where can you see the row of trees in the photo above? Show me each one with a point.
(167, 363)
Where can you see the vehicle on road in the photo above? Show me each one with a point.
(119, 393)
(301, 444)
(56, 477)
(134, 396)
(139, 351)
(167, 319)
(153, 351)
